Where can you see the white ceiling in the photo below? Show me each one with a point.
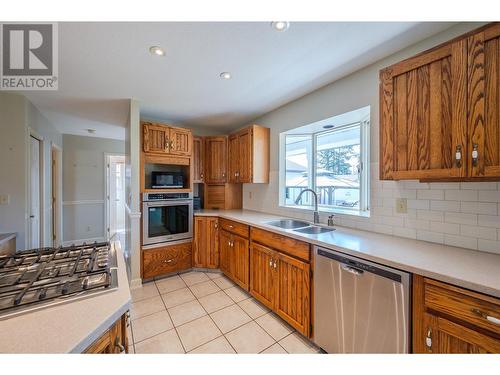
(103, 64)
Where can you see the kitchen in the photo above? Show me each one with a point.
(357, 212)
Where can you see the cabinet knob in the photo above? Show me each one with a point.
(458, 156)
(119, 345)
(475, 154)
(428, 339)
(271, 263)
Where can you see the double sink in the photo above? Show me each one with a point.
(299, 226)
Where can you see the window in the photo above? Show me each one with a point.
(332, 162)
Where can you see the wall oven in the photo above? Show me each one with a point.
(167, 217)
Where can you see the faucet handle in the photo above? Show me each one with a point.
(330, 220)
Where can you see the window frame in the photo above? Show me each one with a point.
(364, 184)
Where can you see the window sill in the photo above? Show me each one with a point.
(341, 211)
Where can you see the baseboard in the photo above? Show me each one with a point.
(136, 283)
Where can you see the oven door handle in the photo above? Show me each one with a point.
(168, 203)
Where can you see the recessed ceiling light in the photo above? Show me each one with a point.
(327, 126)
(157, 51)
(91, 131)
(225, 75)
(280, 25)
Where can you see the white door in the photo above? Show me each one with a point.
(116, 194)
(34, 240)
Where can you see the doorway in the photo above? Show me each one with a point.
(35, 220)
(56, 197)
(115, 196)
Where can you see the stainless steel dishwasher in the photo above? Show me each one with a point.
(359, 306)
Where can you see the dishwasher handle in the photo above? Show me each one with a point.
(352, 270)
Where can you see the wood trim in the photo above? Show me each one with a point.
(386, 153)
(418, 328)
(421, 59)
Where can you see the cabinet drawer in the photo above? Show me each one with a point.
(166, 259)
(285, 244)
(234, 227)
(456, 303)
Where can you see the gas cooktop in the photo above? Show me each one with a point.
(44, 277)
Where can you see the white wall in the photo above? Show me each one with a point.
(18, 116)
(465, 214)
(84, 189)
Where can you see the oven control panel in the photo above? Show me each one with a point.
(165, 196)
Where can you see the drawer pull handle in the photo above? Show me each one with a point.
(428, 339)
(489, 318)
(230, 226)
(168, 261)
(118, 345)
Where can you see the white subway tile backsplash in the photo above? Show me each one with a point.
(460, 241)
(429, 236)
(430, 194)
(460, 214)
(489, 246)
(478, 232)
(461, 195)
(478, 208)
(460, 218)
(489, 196)
(449, 206)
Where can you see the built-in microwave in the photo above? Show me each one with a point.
(167, 180)
(167, 217)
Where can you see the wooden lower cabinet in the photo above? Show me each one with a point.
(113, 341)
(448, 319)
(282, 283)
(234, 258)
(166, 259)
(206, 242)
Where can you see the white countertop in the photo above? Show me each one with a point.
(70, 327)
(470, 269)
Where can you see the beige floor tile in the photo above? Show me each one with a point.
(253, 308)
(216, 301)
(178, 297)
(296, 344)
(148, 290)
(274, 349)
(230, 318)
(237, 294)
(213, 275)
(146, 307)
(218, 346)
(204, 289)
(195, 277)
(151, 325)
(170, 284)
(223, 282)
(198, 332)
(274, 326)
(185, 313)
(166, 342)
(250, 338)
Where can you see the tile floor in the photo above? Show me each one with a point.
(205, 312)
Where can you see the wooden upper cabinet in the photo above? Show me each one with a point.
(163, 139)
(198, 160)
(181, 141)
(206, 242)
(215, 160)
(155, 138)
(423, 115)
(249, 155)
(484, 101)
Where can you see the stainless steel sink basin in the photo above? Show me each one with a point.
(314, 230)
(288, 223)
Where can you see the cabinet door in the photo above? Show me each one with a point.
(233, 162)
(224, 250)
(181, 141)
(262, 283)
(245, 155)
(240, 259)
(198, 159)
(155, 138)
(442, 336)
(206, 242)
(423, 115)
(216, 160)
(293, 301)
(484, 100)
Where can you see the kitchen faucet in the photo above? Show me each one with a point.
(316, 212)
